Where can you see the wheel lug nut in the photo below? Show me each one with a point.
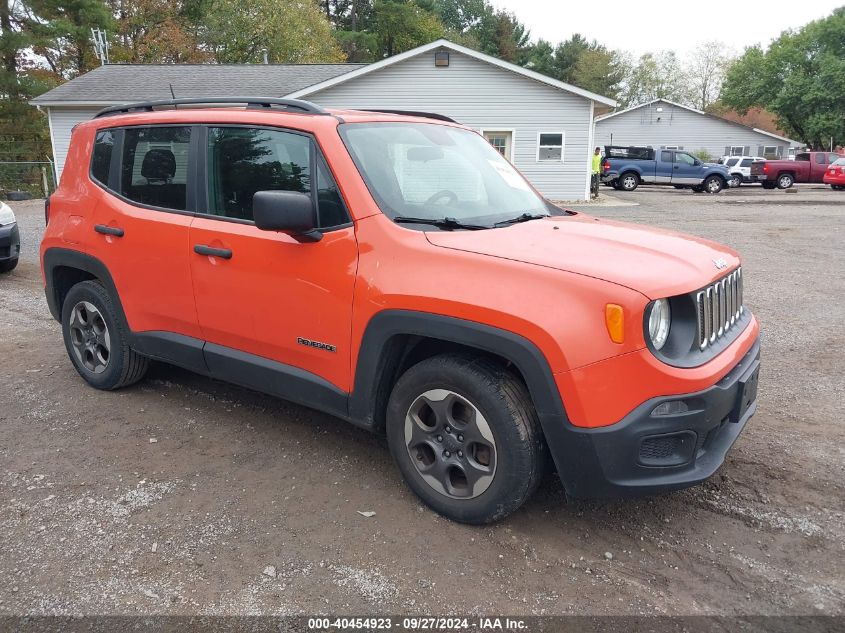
(460, 453)
(460, 438)
(439, 438)
(447, 454)
(448, 429)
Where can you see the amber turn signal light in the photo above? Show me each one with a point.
(614, 317)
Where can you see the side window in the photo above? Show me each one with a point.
(821, 159)
(154, 166)
(242, 161)
(101, 157)
(746, 162)
(804, 158)
(680, 157)
(666, 157)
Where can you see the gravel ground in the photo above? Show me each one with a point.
(182, 495)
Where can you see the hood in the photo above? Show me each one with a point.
(654, 262)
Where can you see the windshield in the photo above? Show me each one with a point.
(435, 171)
(839, 162)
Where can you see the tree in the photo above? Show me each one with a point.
(567, 55)
(401, 25)
(61, 31)
(653, 76)
(292, 31)
(598, 70)
(705, 73)
(800, 78)
(541, 58)
(500, 34)
(461, 16)
(157, 32)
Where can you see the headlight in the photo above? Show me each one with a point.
(659, 318)
(7, 216)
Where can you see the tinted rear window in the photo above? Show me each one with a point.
(154, 166)
(101, 157)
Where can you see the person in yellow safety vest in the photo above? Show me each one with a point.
(594, 182)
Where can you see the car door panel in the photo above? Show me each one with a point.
(685, 171)
(145, 249)
(267, 293)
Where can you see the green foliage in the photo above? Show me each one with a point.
(401, 25)
(800, 78)
(654, 76)
(703, 155)
(291, 31)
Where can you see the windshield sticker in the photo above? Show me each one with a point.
(509, 175)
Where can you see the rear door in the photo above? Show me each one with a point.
(141, 223)
(269, 295)
(686, 169)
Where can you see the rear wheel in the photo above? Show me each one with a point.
(95, 340)
(466, 437)
(629, 181)
(785, 181)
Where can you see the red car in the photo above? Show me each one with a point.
(835, 174)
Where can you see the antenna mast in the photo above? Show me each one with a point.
(101, 45)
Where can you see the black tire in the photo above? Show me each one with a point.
(713, 184)
(615, 184)
(768, 185)
(16, 196)
(8, 265)
(837, 187)
(785, 181)
(736, 180)
(697, 189)
(519, 454)
(123, 366)
(629, 181)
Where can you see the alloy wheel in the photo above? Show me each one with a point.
(89, 336)
(450, 444)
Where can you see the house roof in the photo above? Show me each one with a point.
(604, 117)
(125, 83)
(442, 43)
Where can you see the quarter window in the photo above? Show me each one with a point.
(154, 166)
(550, 147)
(243, 161)
(101, 157)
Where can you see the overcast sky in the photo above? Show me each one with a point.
(651, 25)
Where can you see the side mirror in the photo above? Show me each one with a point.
(697, 163)
(288, 211)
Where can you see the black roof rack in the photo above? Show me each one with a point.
(425, 115)
(305, 107)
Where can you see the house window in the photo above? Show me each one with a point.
(501, 140)
(770, 151)
(550, 147)
(737, 150)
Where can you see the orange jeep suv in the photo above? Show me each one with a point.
(394, 270)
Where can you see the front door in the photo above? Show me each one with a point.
(263, 292)
(501, 141)
(686, 170)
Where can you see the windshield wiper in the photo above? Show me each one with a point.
(441, 223)
(522, 217)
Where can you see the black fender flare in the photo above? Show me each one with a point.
(524, 354)
(64, 257)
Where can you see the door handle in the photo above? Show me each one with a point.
(202, 249)
(677, 166)
(108, 230)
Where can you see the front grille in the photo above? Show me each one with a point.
(719, 308)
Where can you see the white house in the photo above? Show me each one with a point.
(544, 126)
(667, 125)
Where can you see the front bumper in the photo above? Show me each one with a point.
(10, 242)
(644, 453)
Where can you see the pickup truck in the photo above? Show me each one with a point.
(627, 168)
(807, 167)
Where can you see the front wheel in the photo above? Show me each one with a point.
(736, 180)
(713, 184)
(8, 265)
(785, 181)
(466, 437)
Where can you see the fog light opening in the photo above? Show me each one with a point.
(670, 407)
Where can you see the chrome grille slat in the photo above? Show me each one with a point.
(719, 307)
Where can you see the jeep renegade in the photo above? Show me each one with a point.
(396, 271)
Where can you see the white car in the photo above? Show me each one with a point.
(10, 240)
(740, 168)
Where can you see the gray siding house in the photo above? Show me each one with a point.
(543, 126)
(667, 125)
